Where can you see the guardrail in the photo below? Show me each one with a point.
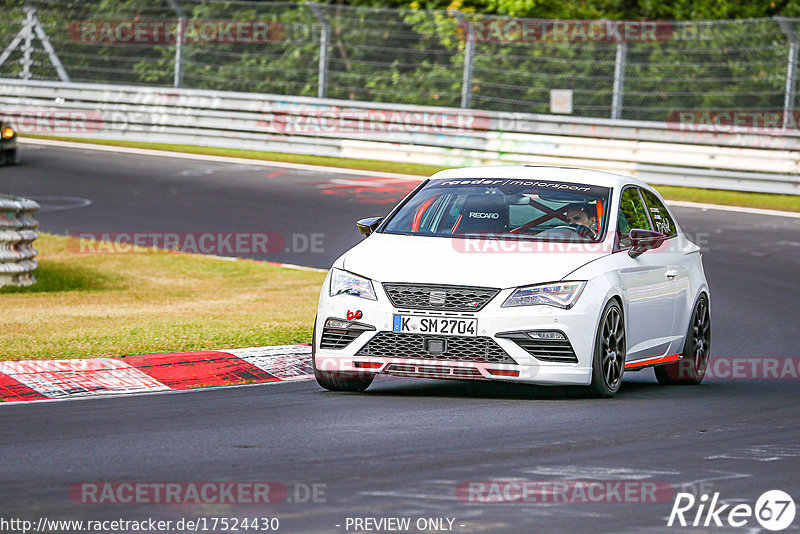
(657, 153)
(18, 231)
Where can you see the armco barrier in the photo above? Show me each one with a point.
(654, 152)
(18, 230)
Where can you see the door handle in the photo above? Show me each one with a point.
(671, 274)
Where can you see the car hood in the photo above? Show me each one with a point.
(457, 261)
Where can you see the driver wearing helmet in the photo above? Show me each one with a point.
(580, 217)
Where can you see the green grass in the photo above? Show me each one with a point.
(731, 198)
(98, 305)
(709, 196)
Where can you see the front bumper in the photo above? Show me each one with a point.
(495, 323)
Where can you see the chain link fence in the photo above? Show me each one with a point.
(439, 58)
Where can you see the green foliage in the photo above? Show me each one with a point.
(678, 10)
(416, 56)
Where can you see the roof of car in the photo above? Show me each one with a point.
(560, 174)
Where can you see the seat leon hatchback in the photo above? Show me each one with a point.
(539, 275)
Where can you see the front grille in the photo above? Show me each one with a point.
(544, 349)
(431, 371)
(456, 298)
(334, 338)
(457, 348)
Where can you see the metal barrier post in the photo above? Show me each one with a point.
(469, 54)
(27, 46)
(178, 79)
(619, 80)
(324, 37)
(789, 31)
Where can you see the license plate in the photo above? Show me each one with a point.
(443, 326)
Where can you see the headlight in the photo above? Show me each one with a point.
(344, 283)
(560, 295)
(7, 132)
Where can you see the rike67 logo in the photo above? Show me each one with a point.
(774, 510)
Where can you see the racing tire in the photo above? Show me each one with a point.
(337, 380)
(8, 158)
(608, 363)
(691, 368)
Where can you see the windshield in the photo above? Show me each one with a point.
(504, 208)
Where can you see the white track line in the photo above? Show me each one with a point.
(218, 159)
(147, 393)
(737, 209)
(341, 170)
(269, 262)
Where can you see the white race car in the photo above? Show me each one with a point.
(524, 274)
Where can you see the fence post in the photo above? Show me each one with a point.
(178, 78)
(324, 38)
(469, 54)
(27, 45)
(787, 27)
(619, 80)
(30, 26)
(48, 47)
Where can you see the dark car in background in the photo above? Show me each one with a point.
(8, 144)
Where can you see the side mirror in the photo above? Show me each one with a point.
(369, 225)
(644, 240)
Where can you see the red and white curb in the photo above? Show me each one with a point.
(274, 263)
(59, 379)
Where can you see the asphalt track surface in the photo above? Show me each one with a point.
(402, 448)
